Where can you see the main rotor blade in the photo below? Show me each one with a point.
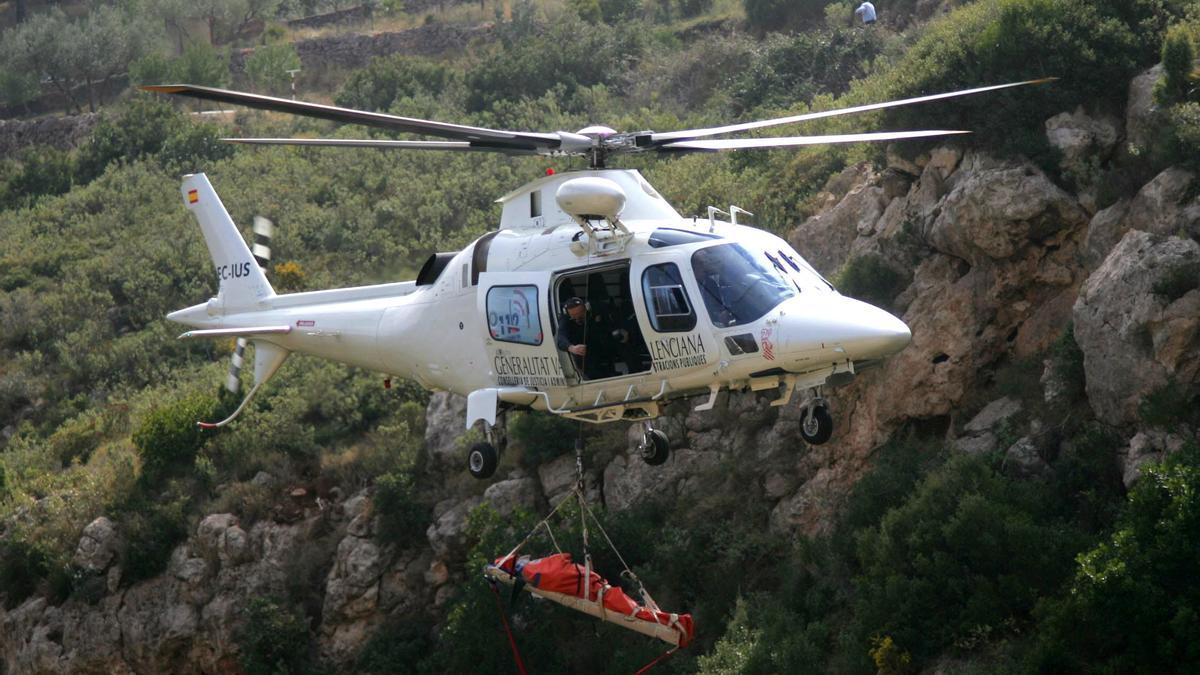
(687, 134)
(789, 141)
(378, 143)
(458, 132)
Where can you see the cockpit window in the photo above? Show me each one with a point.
(666, 236)
(737, 289)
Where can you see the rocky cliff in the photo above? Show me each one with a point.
(997, 259)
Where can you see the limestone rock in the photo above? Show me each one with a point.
(1104, 231)
(509, 495)
(982, 217)
(445, 418)
(1141, 115)
(1162, 205)
(993, 414)
(1146, 447)
(1024, 459)
(1085, 142)
(97, 546)
(825, 239)
(447, 533)
(1132, 340)
(629, 480)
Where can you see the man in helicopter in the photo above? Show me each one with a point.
(589, 339)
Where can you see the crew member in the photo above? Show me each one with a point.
(586, 340)
(867, 12)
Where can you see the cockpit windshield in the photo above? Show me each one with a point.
(737, 288)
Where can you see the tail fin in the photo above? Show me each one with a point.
(242, 282)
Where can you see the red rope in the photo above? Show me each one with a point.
(511, 642)
(663, 657)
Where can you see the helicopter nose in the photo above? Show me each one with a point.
(859, 330)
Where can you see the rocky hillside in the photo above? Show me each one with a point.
(992, 263)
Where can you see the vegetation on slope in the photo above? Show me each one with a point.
(934, 558)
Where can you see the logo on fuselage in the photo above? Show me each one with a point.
(678, 351)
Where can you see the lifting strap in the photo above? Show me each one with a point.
(511, 641)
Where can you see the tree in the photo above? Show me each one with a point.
(1177, 59)
(267, 67)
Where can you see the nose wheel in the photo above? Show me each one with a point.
(655, 448)
(817, 425)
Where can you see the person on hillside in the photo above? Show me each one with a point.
(867, 12)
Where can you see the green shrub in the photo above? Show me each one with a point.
(1169, 406)
(22, 567)
(1068, 362)
(42, 171)
(1134, 602)
(388, 78)
(1177, 282)
(394, 649)
(273, 637)
(616, 11)
(168, 435)
(963, 554)
(570, 54)
(152, 529)
(542, 436)
(1177, 58)
(797, 67)
(402, 517)
(782, 15)
(267, 68)
(870, 279)
(1094, 47)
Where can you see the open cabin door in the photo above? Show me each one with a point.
(515, 307)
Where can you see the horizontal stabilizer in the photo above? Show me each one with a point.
(236, 332)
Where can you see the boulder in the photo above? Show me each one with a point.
(992, 415)
(509, 495)
(445, 420)
(1141, 115)
(97, 546)
(1133, 339)
(982, 217)
(1024, 459)
(447, 533)
(825, 239)
(1145, 447)
(1104, 231)
(1085, 142)
(1163, 205)
(629, 480)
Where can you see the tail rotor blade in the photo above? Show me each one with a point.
(263, 229)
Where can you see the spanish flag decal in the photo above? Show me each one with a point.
(193, 196)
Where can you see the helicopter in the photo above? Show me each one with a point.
(594, 299)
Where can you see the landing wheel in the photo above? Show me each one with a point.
(482, 460)
(817, 426)
(655, 448)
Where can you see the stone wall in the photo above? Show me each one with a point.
(59, 132)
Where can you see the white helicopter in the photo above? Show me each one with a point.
(594, 299)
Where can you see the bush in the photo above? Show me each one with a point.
(395, 647)
(542, 436)
(402, 517)
(782, 15)
(963, 555)
(569, 54)
(1134, 602)
(1177, 282)
(22, 567)
(790, 68)
(1177, 59)
(273, 637)
(868, 278)
(267, 68)
(1094, 47)
(388, 78)
(168, 436)
(152, 529)
(42, 171)
(1171, 405)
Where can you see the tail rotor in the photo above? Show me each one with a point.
(263, 230)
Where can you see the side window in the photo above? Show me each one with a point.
(513, 314)
(667, 299)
